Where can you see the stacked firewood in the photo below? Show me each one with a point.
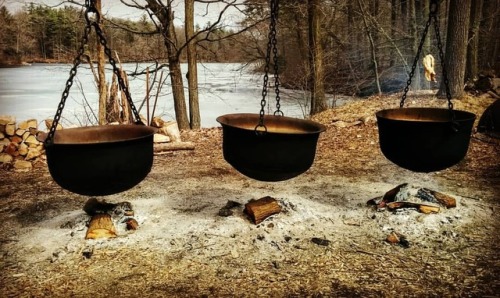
(19, 147)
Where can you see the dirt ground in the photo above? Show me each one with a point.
(184, 248)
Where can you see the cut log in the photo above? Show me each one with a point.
(132, 224)
(48, 124)
(25, 135)
(16, 139)
(23, 149)
(436, 197)
(32, 153)
(175, 146)
(171, 129)
(101, 226)
(31, 123)
(31, 140)
(398, 193)
(160, 138)
(5, 142)
(260, 209)
(5, 119)
(11, 149)
(20, 132)
(426, 209)
(10, 129)
(22, 165)
(5, 158)
(157, 122)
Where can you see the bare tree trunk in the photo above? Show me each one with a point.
(471, 69)
(192, 75)
(488, 39)
(165, 15)
(394, 17)
(456, 47)
(101, 63)
(372, 48)
(318, 98)
(416, 39)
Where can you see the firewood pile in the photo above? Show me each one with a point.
(19, 147)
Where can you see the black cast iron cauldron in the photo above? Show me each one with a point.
(424, 139)
(100, 160)
(286, 150)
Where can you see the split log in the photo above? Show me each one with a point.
(16, 139)
(436, 197)
(160, 138)
(101, 226)
(260, 209)
(171, 129)
(10, 129)
(31, 140)
(132, 224)
(20, 132)
(11, 149)
(48, 124)
(6, 158)
(426, 209)
(157, 122)
(175, 146)
(32, 153)
(23, 149)
(398, 193)
(31, 123)
(22, 165)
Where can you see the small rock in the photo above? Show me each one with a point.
(320, 241)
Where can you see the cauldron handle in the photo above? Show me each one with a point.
(90, 8)
(433, 12)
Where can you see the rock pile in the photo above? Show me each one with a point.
(19, 147)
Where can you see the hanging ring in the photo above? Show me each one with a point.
(279, 113)
(260, 129)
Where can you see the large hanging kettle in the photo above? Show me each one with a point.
(98, 160)
(269, 147)
(425, 139)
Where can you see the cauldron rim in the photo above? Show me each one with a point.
(444, 113)
(309, 126)
(140, 131)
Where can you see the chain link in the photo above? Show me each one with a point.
(90, 8)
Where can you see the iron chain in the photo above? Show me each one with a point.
(271, 47)
(433, 11)
(90, 8)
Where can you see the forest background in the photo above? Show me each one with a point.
(358, 47)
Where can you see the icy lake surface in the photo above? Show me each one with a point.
(35, 91)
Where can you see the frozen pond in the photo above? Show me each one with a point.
(35, 91)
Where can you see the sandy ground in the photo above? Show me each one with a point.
(184, 248)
